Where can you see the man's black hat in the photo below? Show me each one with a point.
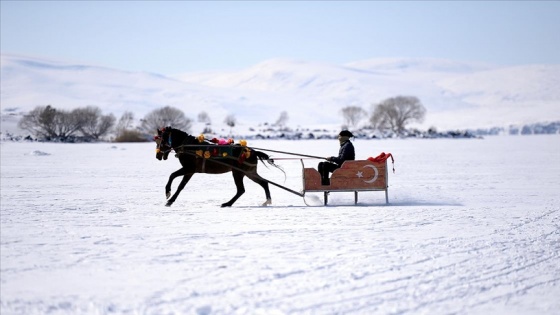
(346, 133)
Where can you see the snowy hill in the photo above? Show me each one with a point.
(28, 82)
(456, 94)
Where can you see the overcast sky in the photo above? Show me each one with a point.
(177, 36)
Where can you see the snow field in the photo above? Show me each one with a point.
(472, 227)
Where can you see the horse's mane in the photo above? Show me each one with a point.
(183, 136)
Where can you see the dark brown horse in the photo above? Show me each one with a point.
(198, 156)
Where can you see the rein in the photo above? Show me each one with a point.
(213, 145)
(288, 159)
(253, 148)
(244, 172)
(291, 153)
(234, 146)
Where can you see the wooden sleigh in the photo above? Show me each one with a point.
(356, 176)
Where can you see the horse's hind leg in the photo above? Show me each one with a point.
(185, 180)
(238, 178)
(177, 173)
(264, 184)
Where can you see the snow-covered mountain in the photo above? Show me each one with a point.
(456, 94)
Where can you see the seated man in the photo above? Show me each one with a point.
(346, 152)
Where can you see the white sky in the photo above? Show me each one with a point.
(171, 37)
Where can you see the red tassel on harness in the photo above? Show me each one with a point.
(382, 158)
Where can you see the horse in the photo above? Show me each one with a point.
(200, 156)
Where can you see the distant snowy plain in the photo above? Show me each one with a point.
(472, 227)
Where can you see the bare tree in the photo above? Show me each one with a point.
(230, 120)
(93, 123)
(353, 114)
(48, 122)
(166, 116)
(396, 112)
(125, 131)
(283, 119)
(204, 118)
(40, 121)
(67, 123)
(125, 122)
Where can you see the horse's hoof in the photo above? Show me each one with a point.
(268, 202)
(225, 205)
(168, 204)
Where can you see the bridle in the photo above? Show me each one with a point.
(163, 146)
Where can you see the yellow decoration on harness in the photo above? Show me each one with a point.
(224, 154)
(200, 138)
(157, 150)
(207, 154)
(199, 153)
(243, 143)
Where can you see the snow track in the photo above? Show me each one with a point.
(472, 227)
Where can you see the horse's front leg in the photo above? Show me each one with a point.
(177, 173)
(179, 188)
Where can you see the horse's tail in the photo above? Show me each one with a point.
(264, 157)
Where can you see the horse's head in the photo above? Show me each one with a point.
(169, 139)
(163, 146)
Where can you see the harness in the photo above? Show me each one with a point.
(206, 149)
(212, 151)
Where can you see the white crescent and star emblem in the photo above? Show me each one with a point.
(360, 174)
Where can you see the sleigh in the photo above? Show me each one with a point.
(352, 176)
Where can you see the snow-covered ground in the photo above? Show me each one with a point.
(473, 227)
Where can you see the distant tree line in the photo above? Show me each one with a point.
(49, 123)
(89, 123)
